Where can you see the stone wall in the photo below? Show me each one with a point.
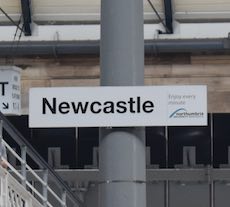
(211, 70)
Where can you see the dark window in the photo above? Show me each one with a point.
(155, 138)
(198, 136)
(221, 138)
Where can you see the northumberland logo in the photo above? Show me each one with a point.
(177, 111)
(183, 113)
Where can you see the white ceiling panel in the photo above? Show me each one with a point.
(69, 10)
(89, 10)
(11, 7)
(209, 10)
(201, 5)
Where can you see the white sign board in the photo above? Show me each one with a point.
(118, 106)
(10, 90)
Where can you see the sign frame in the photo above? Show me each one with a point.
(120, 106)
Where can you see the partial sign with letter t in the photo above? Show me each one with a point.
(10, 90)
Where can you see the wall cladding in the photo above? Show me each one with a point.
(212, 71)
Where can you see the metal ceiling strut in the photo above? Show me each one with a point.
(26, 12)
(168, 16)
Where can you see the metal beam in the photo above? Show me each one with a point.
(168, 16)
(203, 174)
(34, 155)
(26, 12)
(152, 47)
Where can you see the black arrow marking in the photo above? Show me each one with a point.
(5, 105)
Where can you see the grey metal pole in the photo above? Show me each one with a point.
(23, 165)
(122, 150)
(45, 187)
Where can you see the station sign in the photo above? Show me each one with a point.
(118, 106)
(10, 90)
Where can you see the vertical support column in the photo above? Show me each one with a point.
(168, 15)
(26, 12)
(167, 165)
(23, 165)
(45, 189)
(122, 150)
(212, 182)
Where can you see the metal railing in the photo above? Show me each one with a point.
(61, 195)
(13, 194)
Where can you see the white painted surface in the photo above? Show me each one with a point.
(92, 32)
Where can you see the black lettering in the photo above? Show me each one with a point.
(15, 96)
(131, 103)
(52, 107)
(64, 107)
(121, 107)
(148, 106)
(80, 107)
(3, 91)
(93, 109)
(109, 108)
(15, 87)
(96, 107)
(138, 104)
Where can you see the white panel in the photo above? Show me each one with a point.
(10, 85)
(70, 6)
(149, 14)
(70, 10)
(80, 10)
(201, 5)
(118, 106)
(11, 7)
(89, 10)
(208, 10)
(92, 32)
